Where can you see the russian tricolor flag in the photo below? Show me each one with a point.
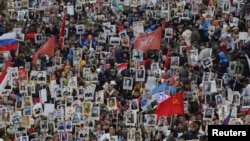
(8, 42)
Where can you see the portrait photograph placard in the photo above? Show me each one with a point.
(151, 119)
(232, 66)
(115, 41)
(80, 29)
(39, 38)
(125, 41)
(127, 83)
(208, 114)
(112, 105)
(137, 55)
(168, 33)
(207, 62)
(140, 75)
(130, 118)
(102, 38)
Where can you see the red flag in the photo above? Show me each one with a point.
(47, 48)
(172, 105)
(62, 33)
(168, 59)
(149, 41)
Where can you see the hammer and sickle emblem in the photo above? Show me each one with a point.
(175, 101)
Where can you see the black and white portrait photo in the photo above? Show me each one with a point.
(38, 38)
(168, 32)
(130, 118)
(102, 38)
(79, 29)
(140, 75)
(114, 41)
(208, 114)
(154, 66)
(161, 121)
(218, 99)
(134, 105)
(207, 62)
(174, 61)
(151, 119)
(127, 83)
(137, 55)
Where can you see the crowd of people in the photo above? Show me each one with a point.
(98, 70)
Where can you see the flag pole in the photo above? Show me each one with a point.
(171, 121)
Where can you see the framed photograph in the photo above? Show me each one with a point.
(67, 91)
(219, 84)
(218, 99)
(185, 103)
(24, 138)
(127, 83)
(80, 29)
(78, 8)
(88, 95)
(131, 134)
(44, 125)
(112, 105)
(5, 117)
(68, 126)
(73, 82)
(236, 99)
(86, 72)
(239, 69)
(84, 132)
(41, 77)
(206, 87)
(226, 7)
(223, 112)
(125, 41)
(165, 7)
(20, 37)
(104, 55)
(246, 99)
(134, 106)
(60, 126)
(151, 119)
(154, 66)
(37, 109)
(39, 38)
(58, 61)
(87, 107)
(149, 14)
(130, 118)
(99, 96)
(75, 118)
(162, 121)
(115, 41)
(21, 128)
(232, 66)
(123, 34)
(137, 55)
(207, 62)
(168, 33)
(174, 62)
(27, 111)
(140, 75)
(209, 112)
(21, 15)
(95, 113)
(147, 94)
